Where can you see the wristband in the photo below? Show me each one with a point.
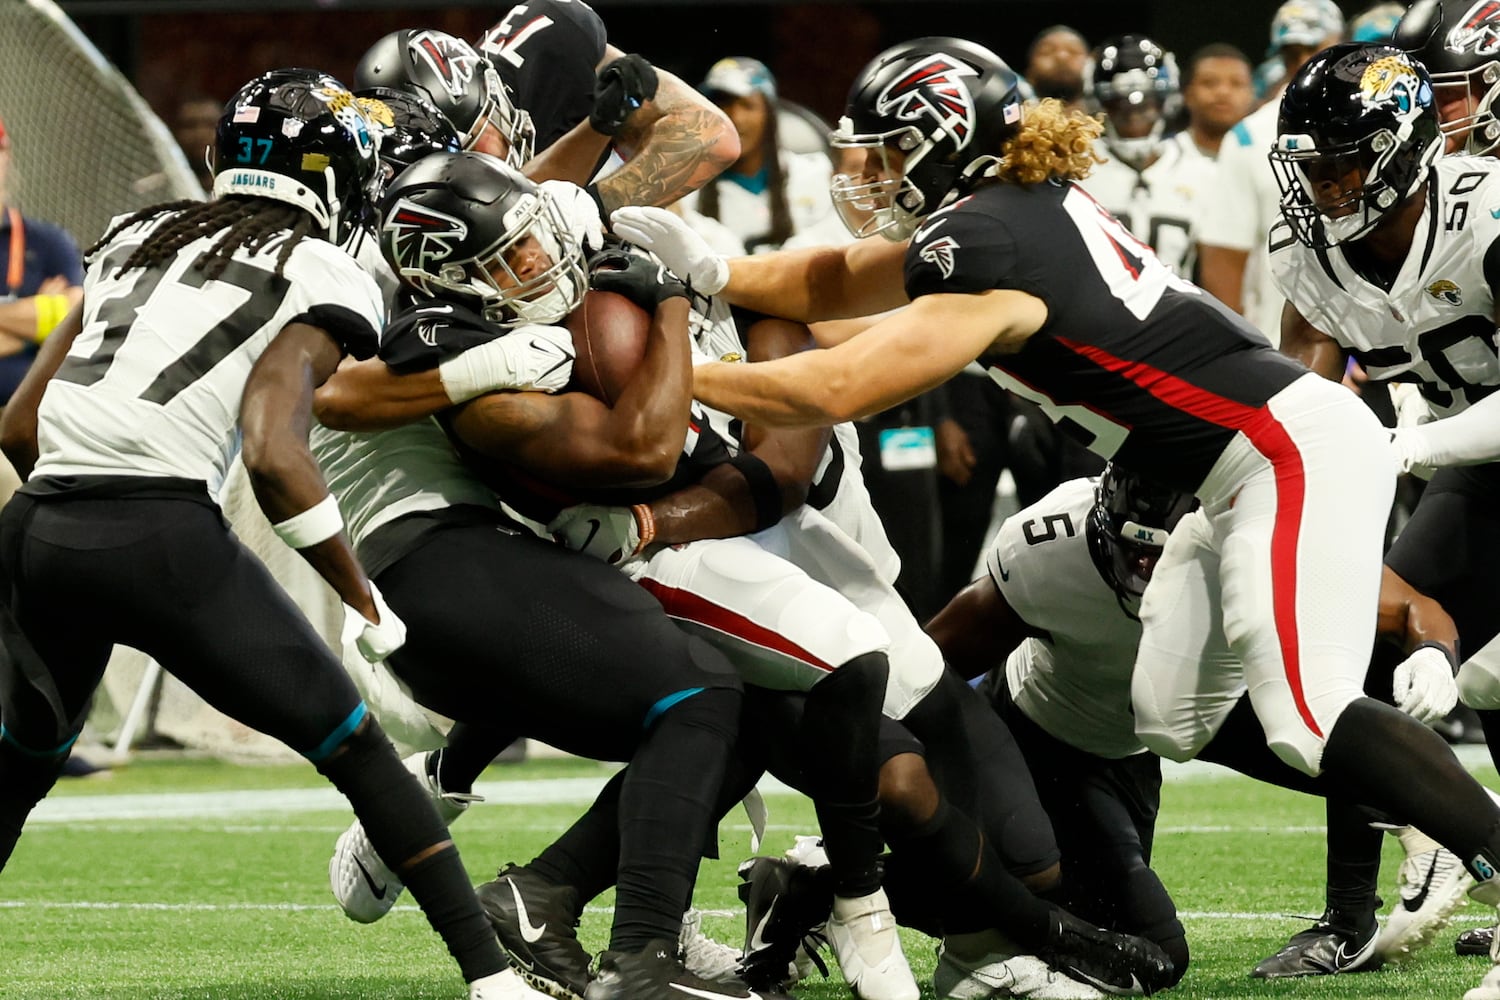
(765, 493)
(477, 371)
(1451, 656)
(50, 310)
(317, 523)
(645, 523)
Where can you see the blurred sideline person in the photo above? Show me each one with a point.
(1233, 259)
(1295, 476)
(769, 194)
(194, 122)
(1054, 65)
(1216, 93)
(203, 320)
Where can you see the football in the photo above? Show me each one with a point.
(609, 337)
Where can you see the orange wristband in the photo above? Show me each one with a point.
(645, 522)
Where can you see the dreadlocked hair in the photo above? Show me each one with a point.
(247, 222)
(1054, 142)
(781, 212)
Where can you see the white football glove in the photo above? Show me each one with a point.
(1424, 685)
(1405, 453)
(608, 533)
(375, 640)
(675, 244)
(531, 357)
(579, 211)
(1411, 407)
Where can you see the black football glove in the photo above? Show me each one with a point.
(622, 87)
(640, 279)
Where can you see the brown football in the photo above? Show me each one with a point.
(609, 337)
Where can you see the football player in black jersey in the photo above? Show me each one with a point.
(202, 320)
(1009, 263)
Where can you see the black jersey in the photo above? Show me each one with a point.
(546, 51)
(1136, 363)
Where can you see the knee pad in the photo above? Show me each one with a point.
(1297, 747)
(1179, 743)
(1479, 679)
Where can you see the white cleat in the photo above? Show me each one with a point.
(1432, 883)
(984, 966)
(702, 955)
(1488, 892)
(504, 985)
(364, 886)
(862, 934)
(1488, 988)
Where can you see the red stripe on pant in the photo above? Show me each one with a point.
(688, 606)
(1265, 432)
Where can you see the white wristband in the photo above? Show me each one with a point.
(317, 523)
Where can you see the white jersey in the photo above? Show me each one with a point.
(1159, 205)
(1245, 205)
(747, 214)
(152, 385)
(1075, 683)
(1436, 325)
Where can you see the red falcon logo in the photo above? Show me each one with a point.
(940, 253)
(933, 89)
(451, 59)
(1478, 31)
(421, 236)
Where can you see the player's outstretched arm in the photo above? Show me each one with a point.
(1311, 346)
(18, 425)
(978, 629)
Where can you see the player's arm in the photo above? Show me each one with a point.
(1468, 438)
(18, 423)
(1425, 684)
(32, 319)
(574, 440)
(902, 356)
(978, 628)
(1311, 346)
(1221, 273)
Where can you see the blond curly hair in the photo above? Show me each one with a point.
(1054, 143)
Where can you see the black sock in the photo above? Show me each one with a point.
(1353, 860)
(1387, 759)
(470, 750)
(666, 810)
(402, 824)
(840, 732)
(24, 781)
(587, 856)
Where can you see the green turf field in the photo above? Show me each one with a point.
(195, 879)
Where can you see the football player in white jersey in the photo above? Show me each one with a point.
(1145, 181)
(1391, 256)
(203, 323)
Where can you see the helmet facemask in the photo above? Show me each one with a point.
(510, 121)
(1384, 179)
(1128, 528)
(895, 204)
(1477, 89)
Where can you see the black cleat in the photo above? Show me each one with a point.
(537, 924)
(1107, 960)
(1337, 943)
(786, 906)
(1475, 941)
(656, 973)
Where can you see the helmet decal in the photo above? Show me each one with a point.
(347, 111)
(454, 64)
(1392, 83)
(934, 89)
(940, 252)
(1478, 31)
(421, 235)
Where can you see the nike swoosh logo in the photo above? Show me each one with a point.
(1415, 903)
(708, 994)
(1133, 988)
(436, 309)
(1342, 960)
(757, 939)
(377, 890)
(530, 933)
(1004, 574)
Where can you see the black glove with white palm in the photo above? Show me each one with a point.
(675, 244)
(619, 91)
(640, 279)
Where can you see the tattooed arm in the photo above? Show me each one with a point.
(675, 144)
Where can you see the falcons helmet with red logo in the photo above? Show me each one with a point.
(946, 106)
(453, 225)
(447, 72)
(1459, 43)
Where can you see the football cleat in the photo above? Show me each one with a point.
(1432, 883)
(1475, 941)
(984, 965)
(1488, 988)
(702, 955)
(656, 973)
(365, 888)
(1108, 960)
(503, 985)
(537, 924)
(862, 934)
(786, 907)
(1337, 943)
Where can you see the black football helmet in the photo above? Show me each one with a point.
(1357, 133)
(948, 105)
(1135, 83)
(455, 79)
(459, 226)
(1128, 525)
(299, 136)
(408, 128)
(1459, 43)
